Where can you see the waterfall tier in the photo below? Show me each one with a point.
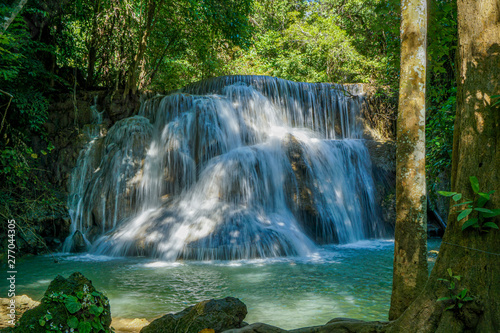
(228, 168)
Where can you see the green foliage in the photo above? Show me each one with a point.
(481, 221)
(441, 89)
(457, 299)
(316, 42)
(83, 312)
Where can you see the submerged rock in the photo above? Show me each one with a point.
(71, 303)
(217, 315)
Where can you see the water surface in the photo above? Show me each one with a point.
(351, 280)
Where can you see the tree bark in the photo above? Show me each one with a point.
(410, 248)
(476, 152)
(18, 6)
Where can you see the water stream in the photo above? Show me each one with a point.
(352, 280)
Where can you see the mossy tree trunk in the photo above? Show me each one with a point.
(473, 255)
(410, 248)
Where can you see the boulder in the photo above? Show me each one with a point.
(21, 305)
(68, 303)
(217, 315)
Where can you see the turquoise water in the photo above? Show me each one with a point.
(337, 281)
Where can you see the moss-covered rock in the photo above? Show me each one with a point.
(68, 305)
(218, 315)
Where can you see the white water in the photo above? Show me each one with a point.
(232, 168)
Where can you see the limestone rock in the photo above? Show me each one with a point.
(218, 315)
(21, 305)
(125, 325)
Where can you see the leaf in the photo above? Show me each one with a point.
(463, 293)
(444, 299)
(447, 194)
(439, 279)
(483, 210)
(96, 311)
(468, 299)
(72, 304)
(494, 213)
(79, 294)
(463, 203)
(96, 323)
(450, 307)
(469, 223)
(464, 214)
(482, 200)
(460, 305)
(450, 273)
(41, 322)
(474, 183)
(84, 327)
(72, 322)
(491, 225)
(457, 197)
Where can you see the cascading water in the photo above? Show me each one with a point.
(228, 168)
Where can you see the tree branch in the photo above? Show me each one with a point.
(18, 6)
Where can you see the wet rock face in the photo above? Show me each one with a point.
(383, 157)
(71, 303)
(217, 315)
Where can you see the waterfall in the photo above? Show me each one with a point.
(229, 168)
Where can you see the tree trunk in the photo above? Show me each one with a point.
(17, 7)
(410, 248)
(471, 254)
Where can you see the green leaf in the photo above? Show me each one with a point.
(483, 210)
(474, 183)
(72, 322)
(450, 273)
(447, 194)
(463, 293)
(469, 223)
(443, 299)
(468, 299)
(41, 322)
(84, 327)
(96, 323)
(439, 279)
(460, 305)
(491, 225)
(494, 213)
(463, 203)
(96, 311)
(450, 307)
(457, 197)
(72, 304)
(79, 294)
(464, 214)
